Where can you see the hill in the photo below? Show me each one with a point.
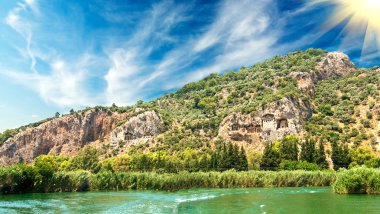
(312, 94)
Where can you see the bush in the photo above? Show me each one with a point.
(298, 165)
(358, 181)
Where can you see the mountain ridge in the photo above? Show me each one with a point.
(250, 107)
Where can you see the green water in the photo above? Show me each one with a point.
(258, 200)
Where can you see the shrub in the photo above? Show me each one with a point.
(298, 165)
(358, 181)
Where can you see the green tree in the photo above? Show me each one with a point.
(235, 157)
(340, 156)
(308, 152)
(321, 157)
(87, 159)
(214, 161)
(271, 158)
(243, 160)
(289, 148)
(7, 134)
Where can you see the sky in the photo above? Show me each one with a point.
(58, 55)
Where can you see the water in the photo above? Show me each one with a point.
(257, 200)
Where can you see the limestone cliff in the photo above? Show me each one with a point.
(335, 64)
(286, 116)
(63, 135)
(137, 129)
(270, 123)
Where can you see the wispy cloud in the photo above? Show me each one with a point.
(130, 64)
(241, 33)
(153, 57)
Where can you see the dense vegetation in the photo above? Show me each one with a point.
(22, 179)
(347, 113)
(358, 181)
(286, 155)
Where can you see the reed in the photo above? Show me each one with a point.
(84, 181)
(358, 181)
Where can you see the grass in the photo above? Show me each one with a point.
(186, 180)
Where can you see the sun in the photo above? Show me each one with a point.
(366, 10)
(361, 15)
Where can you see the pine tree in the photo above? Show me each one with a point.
(222, 162)
(321, 157)
(340, 156)
(203, 166)
(271, 158)
(235, 157)
(230, 156)
(243, 160)
(308, 152)
(214, 161)
(289, 148)
(345, 156)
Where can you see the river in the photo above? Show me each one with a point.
(255, 200)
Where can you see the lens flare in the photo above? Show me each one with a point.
(362, 15)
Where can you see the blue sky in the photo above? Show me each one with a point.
(57, 55)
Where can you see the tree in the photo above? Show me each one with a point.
(207, 103)
(271, 158)
(203, 163)
(214, 161)
(235, 157)
(308, 152)
(121, 163)
(46, 165)
(289, 148)
(7, 134)
(230, 156)
(72, 111)
(361, 155)
(57, 114)
(340, 156)
(243, 160)
(87, 159)
(321, 157)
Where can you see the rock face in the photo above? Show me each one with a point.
(139, 128)
(67, 135)
(335, 64)
(271, 123)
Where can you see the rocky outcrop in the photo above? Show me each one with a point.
(268, 124)
(63, 135)
(137, 129)
(333, 65)
(305, 81)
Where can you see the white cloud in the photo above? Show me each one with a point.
(240, 34)
(243, 34)
(129, 68)
(65, 85)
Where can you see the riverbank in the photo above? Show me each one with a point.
(353, 181)
(14, 182)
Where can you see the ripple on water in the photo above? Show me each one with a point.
(183, 200)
